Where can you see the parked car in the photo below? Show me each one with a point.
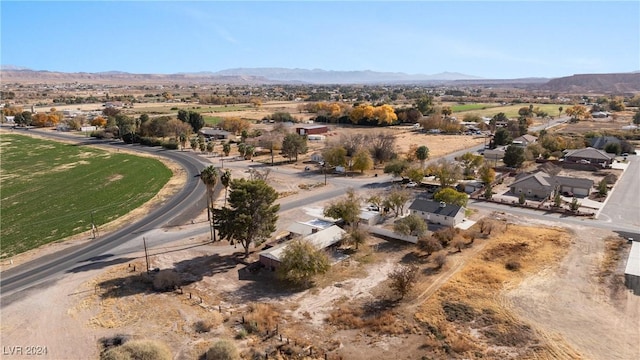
(412, 184)
(567, 193)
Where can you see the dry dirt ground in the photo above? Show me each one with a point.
(554, 304)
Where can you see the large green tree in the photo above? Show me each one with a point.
(451, 196)
(251, 215)
(514, 156)
(501, 137)
(422, 154)
(335, 155)
(347, 209)
(300, 261)
(293, 145)
(396, 167)
(470, 163)
(362, 161)
(410, 225)
(447, 172)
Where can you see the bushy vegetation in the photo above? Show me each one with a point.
(138, 350)
(222, 350)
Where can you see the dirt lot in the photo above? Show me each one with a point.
(551, 305)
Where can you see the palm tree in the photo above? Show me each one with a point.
(225, 178)
(209, 177)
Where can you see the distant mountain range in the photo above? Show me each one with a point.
(598, 83)
(319, 76)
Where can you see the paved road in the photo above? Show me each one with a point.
(182, 206)
(623, 203)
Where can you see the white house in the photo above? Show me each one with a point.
(320, 239)
(438, 212)
(317, 157)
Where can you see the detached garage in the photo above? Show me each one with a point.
(312, 130)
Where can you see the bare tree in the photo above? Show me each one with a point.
(383, 147)
(403, 278)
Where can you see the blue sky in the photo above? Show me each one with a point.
(504, 39)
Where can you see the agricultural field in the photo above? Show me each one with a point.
(53, 190)
(489, 110)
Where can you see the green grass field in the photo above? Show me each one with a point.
(166, 108)
(510, 110)
(49, 190)
(212, 120)
(468, 107)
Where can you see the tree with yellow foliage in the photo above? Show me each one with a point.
(39, 120)
(578, 112)
(385, 114)
(99, 121)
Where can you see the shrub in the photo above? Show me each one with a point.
(138, 350)
(512, 265)
(202, 326)
(242, 333)
(166, 280)
(170, 145)
(262, 317)
(440, 259)
(222, 350)
(458, 244)
(429, 244)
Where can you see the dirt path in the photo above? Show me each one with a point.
(568, 303)
(316, 307)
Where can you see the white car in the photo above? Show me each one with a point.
(412, 184)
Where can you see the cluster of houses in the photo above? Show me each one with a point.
(325, 234)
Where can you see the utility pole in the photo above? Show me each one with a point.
(94, 229)
(146, 254)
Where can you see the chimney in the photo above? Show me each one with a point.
(314, 230)
(443, 204)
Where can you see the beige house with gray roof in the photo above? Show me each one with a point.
(541, 185)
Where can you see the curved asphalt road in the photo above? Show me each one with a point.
(176, 210)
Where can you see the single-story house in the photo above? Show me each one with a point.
(542, 185)
(524, 140)
(437, 212)
(216, 134)
(589, 155)
(601, 142)
(494, 154)
(368, 217)
(312, 129)
(307, 228)
(321, 239)
(317, 157)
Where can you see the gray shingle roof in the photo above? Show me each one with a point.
(589, 153)
(433, 207)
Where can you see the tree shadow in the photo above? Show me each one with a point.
(414, 257)
(262, 283)
(94, 265)
(187, 272)
(376, 306)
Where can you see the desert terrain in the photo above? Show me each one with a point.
(558, 302)
(520, 288)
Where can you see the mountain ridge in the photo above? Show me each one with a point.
(628, 82)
